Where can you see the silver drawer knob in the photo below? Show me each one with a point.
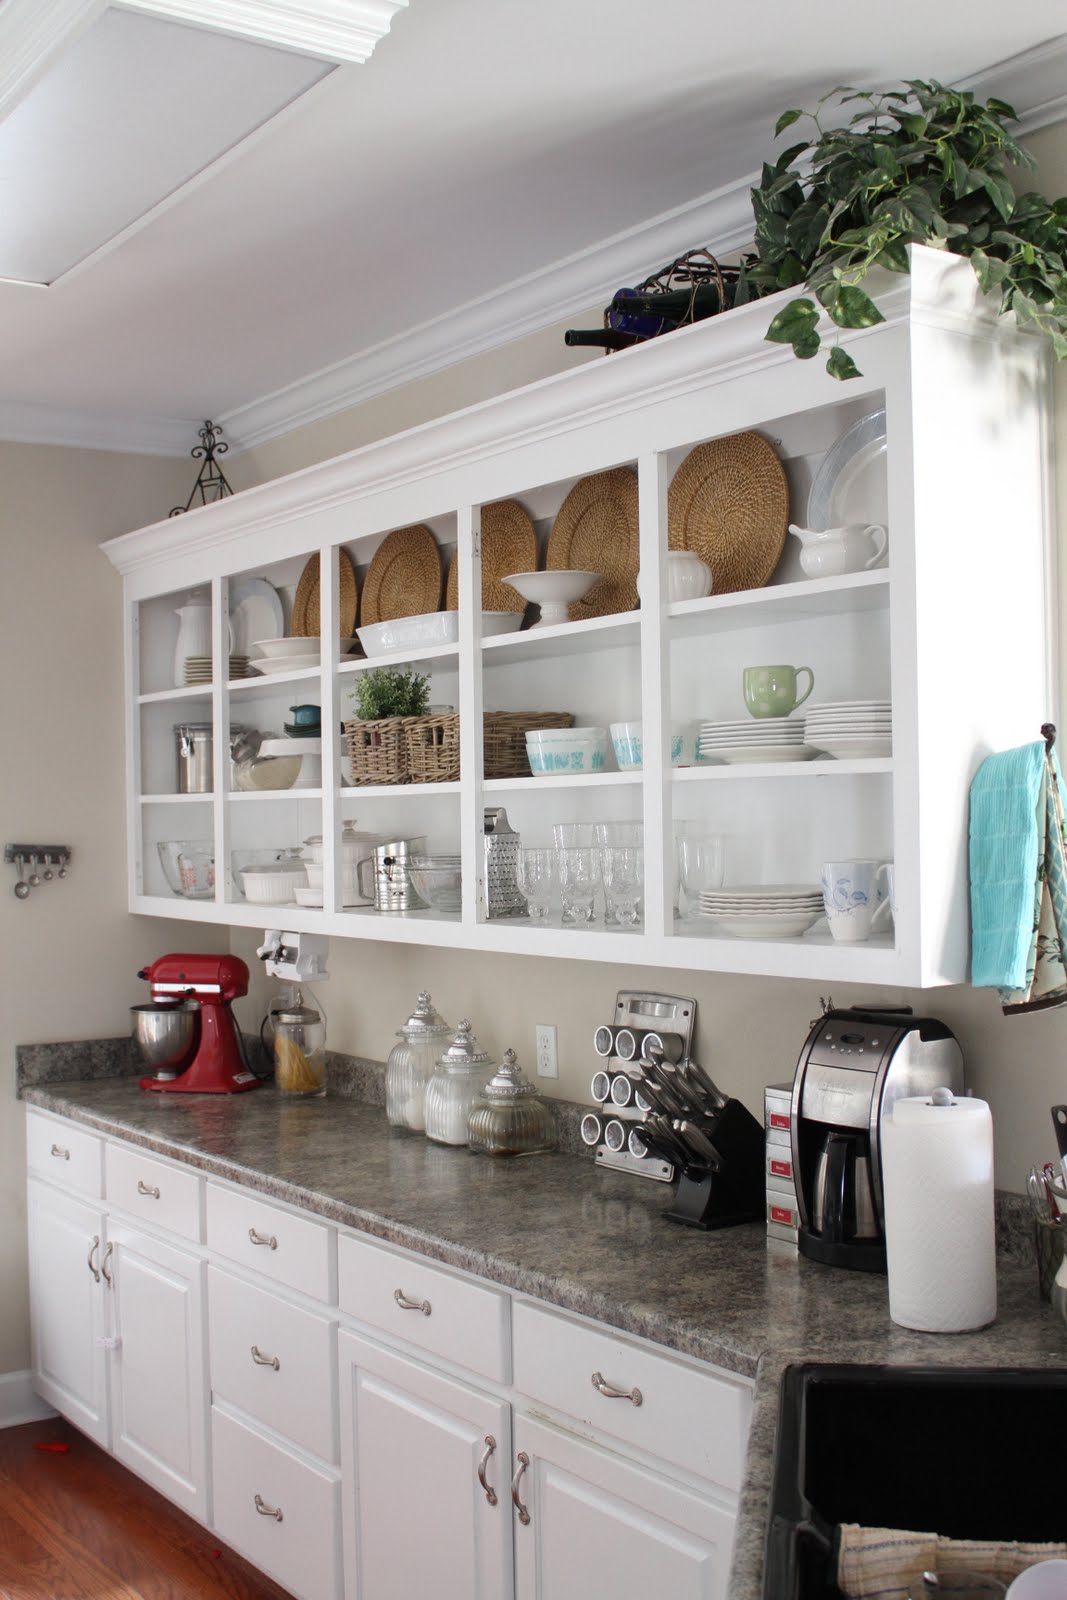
(263, 1238)
(411, 1305)
(268, 1511)
(265, 1361)
(59, 1152)
(146, 1188)
(611, 1393)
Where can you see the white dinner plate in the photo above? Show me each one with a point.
(855, 749)
(737, 756)
(852, 485)
(279, 664)
(256, 612)
(764, 927)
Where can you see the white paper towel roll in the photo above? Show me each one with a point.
(937, 1173)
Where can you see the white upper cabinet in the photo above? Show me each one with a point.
(952, 627)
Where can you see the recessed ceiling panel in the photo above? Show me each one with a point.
(125, 116)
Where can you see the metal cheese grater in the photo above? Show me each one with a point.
(502, 897)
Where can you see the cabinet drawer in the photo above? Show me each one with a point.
(153, 1190)
(274, 1360)
(445, 1315)
(289, 1249)
(277, 1508)
(696, 1419)
(65, 1154)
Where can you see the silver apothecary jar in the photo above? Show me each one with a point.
(411, 1063)
(509, 1117)
(457, 1081)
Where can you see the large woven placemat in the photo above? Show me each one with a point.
(404, 577)
(305, 619)
(729, 502)
(509, 544)
(596, 531)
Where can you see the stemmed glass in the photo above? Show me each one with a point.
(618, 834)
(535, 873)
(623, 869)
(579, 879)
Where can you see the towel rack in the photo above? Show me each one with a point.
(1048, 733)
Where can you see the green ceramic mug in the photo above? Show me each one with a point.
(772, 691)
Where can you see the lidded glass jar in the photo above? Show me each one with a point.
(509, 1117)
(455, 1086)
(411, 1063)
(299, 1048)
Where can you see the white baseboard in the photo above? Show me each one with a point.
(18, 1403)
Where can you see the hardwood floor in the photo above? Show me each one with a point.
(74, 1525)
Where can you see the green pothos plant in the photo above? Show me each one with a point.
(920, 164)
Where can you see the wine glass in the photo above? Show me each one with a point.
(579, 879)
(623, 870)
(535, 873)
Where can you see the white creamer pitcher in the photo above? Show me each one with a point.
(829, 552)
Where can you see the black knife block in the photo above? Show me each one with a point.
(736, 1192)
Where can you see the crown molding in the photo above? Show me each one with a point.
(526, 305)
(334, 30)
(1034, 82)
(136, 434)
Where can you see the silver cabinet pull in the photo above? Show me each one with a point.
(146, 1188)
(610, 1393)
(93, 1248)
(103, 1266)
(265, 1361)
(263, 1238)
(524, 1461)
(411, 1305)
(490, 1446)
(58, 1150)
(268, 1511)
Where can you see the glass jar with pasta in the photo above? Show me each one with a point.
(299, 1049)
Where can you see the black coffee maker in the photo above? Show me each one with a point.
(855, 1063)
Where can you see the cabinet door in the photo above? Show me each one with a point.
(601, 1526)
(67, 1307)
(416, 1518)
(158, 1385)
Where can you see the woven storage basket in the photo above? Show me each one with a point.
(377, 750)
(504, 739)
(432, 746)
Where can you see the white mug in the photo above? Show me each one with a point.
(855, 898)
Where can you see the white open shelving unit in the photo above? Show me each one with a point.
(957, 630)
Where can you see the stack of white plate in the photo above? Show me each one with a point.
(198, 669)
(763, 910)
(851, 728)
(754, 739)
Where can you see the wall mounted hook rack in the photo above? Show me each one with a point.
(53, 858)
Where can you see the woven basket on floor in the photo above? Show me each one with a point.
(377, 750)
(432, 746)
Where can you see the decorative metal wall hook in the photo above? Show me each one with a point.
(1048, 733)
(34, 855)
(211, 484)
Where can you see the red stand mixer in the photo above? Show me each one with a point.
(215, 1063)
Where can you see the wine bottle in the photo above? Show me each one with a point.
(632, 311)
(603, 338)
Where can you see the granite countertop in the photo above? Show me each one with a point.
(559, 1228)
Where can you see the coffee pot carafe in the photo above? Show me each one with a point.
(842, 1199)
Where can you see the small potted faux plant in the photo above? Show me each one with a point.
(385, 698)
(921, 164)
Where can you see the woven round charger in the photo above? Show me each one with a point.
(404, 577)
(596, 531)
(305, 618)
(729, 503)
(509, 544)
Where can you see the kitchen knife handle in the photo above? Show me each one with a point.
(1059, 1122)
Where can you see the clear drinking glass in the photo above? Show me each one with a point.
(579, 879)
(535, 874)
(571, 835)
(701, 863)
(617, 833)
(623, 871)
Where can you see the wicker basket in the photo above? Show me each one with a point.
(377, 750)
(505, 739)
(432, 746)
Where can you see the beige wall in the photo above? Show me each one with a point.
(750, 1029)
(70, 953)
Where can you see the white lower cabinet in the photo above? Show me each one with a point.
(425, 1463)
(67, 1308)
(600, 1525)
(278, 1507)
(158, 1366)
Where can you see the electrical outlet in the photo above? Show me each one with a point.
(547, 1060)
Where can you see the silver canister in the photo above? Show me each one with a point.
(390, 866)
(195, 757)
(502, 896)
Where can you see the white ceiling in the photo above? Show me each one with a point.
(547, 148)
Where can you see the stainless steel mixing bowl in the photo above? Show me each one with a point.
(165, 1035)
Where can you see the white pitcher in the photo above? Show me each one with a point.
(829, 552)
(194, 635)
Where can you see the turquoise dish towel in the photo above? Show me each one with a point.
(1018, 862)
